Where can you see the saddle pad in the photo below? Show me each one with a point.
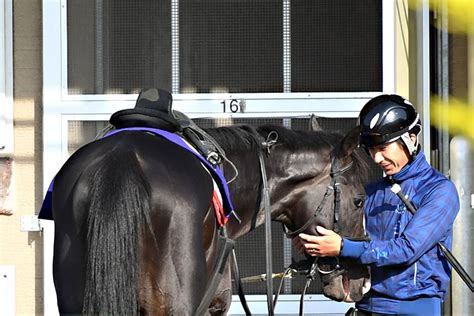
(227, 207)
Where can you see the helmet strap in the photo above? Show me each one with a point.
(409, 144)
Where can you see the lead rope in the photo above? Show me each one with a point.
(310, 278)
(288, 271)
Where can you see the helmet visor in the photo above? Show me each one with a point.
(374, 139)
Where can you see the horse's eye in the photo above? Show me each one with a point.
(358, 202)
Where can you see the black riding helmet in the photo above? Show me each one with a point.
(387, 118)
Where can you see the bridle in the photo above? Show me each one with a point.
(315, 266)
(335, 187)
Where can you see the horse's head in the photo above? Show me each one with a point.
(314, 178)
(346, 280)
(328, 190)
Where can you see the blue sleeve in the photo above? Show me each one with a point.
(431, 224)
(352, 249)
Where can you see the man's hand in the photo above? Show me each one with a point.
(326, 245)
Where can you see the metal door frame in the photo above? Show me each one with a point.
(59, 107)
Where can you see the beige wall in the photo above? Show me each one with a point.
(24, 249)
(402, 49)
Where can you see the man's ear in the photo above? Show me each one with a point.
(414, 139)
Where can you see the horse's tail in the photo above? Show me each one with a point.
(119, 210)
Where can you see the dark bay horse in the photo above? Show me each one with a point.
(134, 228)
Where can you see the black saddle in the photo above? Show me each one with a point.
(154, 109)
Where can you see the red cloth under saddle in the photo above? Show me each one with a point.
(218, 208)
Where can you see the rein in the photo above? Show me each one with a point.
(266, 145)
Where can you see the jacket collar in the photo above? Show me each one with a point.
(412, 169)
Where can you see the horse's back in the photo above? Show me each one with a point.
(130, 196)
(168, 169)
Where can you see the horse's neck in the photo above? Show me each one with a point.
(284, 167)
(245, 189)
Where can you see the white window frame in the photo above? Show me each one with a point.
(199, 104)
(59, 107)
(6, 79)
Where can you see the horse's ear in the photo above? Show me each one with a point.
(313, 124)
(349, 143)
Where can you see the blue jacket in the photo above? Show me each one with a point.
(405, 261)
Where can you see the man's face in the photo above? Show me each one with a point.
(391, 157)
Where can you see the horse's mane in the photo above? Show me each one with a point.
(299, 139)
(245, 138)
(236, 138)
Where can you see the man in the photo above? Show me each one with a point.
(409, 273)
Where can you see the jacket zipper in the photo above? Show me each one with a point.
(414, 276)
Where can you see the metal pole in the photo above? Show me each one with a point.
(175, 46)
(287, 46)
(99, 47)
(423, 72)
(463, 236)
(287, 244)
